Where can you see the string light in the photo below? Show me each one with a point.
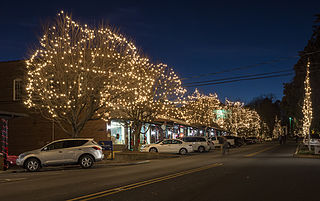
(307, 104)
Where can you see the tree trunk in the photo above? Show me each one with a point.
(136, 134)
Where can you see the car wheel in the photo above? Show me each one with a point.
(32, 165)
(153, 150)
(183, 151)
(201, 149)
(86, 161)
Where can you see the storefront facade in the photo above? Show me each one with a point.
(155, 132)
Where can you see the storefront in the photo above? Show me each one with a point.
(157, 131)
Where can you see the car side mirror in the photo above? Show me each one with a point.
(44, 149)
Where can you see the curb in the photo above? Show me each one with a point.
(127, 164)
(306, 156)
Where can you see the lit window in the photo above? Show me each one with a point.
(17, 89)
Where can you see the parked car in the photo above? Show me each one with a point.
(238, 141)
(215, 141)
(168, 146)
(251, 140)
(60, 152)
(200, 144)
(211, 143)
(11, 160)
(314, 140)
(218, 141)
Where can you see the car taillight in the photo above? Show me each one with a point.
(96, 148)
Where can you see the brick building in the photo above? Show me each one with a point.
(32, 131)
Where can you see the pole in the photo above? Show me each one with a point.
(52, 129)
(4, 147)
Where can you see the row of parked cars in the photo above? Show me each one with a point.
(86, 152)
(195, 144)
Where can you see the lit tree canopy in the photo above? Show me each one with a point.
(76, 72)
(199, 109)
(240, 120)
(156, 91)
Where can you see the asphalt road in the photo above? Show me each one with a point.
(256, 172)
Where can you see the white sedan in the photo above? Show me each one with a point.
(168, 146)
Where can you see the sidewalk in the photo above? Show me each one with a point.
(303, 152)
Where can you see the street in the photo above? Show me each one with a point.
(255, 172)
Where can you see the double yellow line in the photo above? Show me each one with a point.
(258, 152)
(142, 183)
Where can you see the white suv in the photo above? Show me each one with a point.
(67, 151)
(200, 144)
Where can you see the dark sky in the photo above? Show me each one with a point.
(193, 37)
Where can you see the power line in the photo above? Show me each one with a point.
(238, 80)
(237, 77)
(229, 80)
(250, 66)
(252, 75)
(240, 68)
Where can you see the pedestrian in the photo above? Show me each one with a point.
(297, 138)
(225, 146)
(280, 139)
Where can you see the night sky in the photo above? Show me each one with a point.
(193, 37)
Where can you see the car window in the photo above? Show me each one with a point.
(55, 145)
(189, 139)
(167, 142)
(314, 136)
(176, 142)
(200, 139)
(73, 143)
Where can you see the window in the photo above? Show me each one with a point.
(176, 142)
(73, 143)
(117, 132)
(167, 142)
(200, 139)
(56, 145)
(17, 89)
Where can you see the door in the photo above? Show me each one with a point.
(165, 146)
(176, 146)
(72, 150)
(52, 154)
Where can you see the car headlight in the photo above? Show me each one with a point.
(21, 156)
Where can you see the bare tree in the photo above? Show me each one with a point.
(77, 72)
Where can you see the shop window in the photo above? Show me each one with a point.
(17, 89)
(117, 132)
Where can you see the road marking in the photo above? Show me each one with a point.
(258, 152)
(11, 180)
(142, 183)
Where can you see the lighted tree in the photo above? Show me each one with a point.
(277, 131)
(199, 109)
(157, 90)
(252, 125)
(76, 72)
(307, 105)
(234, 120)
(239, 120)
